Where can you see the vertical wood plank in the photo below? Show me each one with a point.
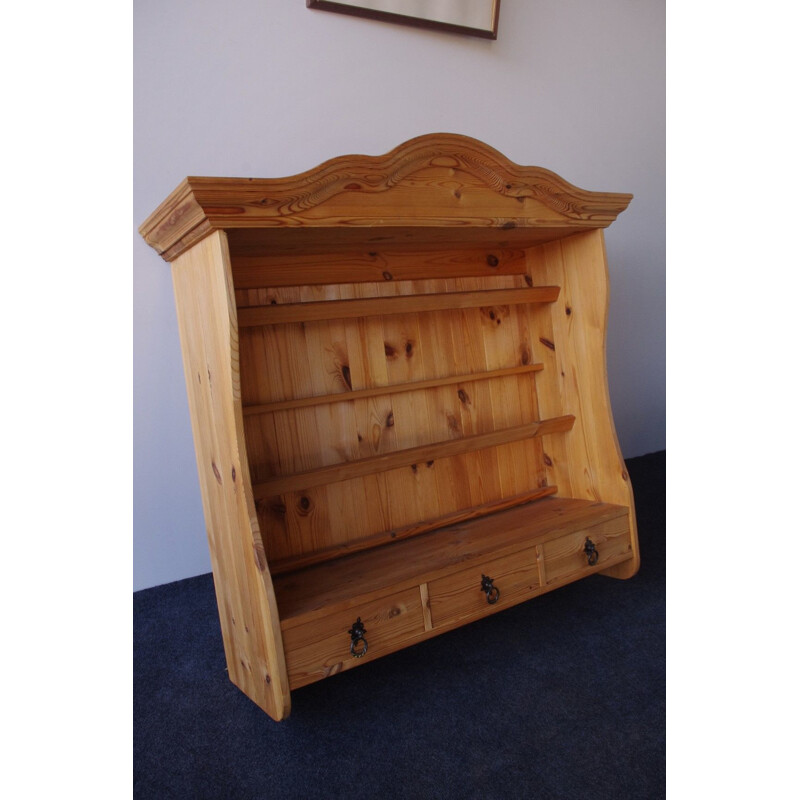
(245, 596)
(411, 493)
(586, 463)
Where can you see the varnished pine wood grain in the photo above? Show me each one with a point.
(245, 596)
(566, 556)
(361, 394)
(252, 269)
(280, 567)
(421, 338)
(372, 307)
(309, 593)
(460, 602)
(407, 457)
(572, 345)
(458, 598)
(321, 648)
(448, 180)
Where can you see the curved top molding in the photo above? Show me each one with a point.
(439, 180)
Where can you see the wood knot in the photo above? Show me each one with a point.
(547, 343)
(525, 354)
(429, 464)
(216, 473)
(390, 419)
(387, 276)
(547, 460)
(529, 280)
(463, 397)
(568, 310)
(414, 468)
(304, 505)
(409, 348)
(452, 423)
(389, 350)
(345, 372)
(233, 474)
(278, 508)
(492, 260)
(509, 225)
(494, 314)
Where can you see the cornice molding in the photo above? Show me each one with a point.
(199, 205)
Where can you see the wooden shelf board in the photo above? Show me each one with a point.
(294, 563)
(404, 458)
(400, 304)
(314, 591)
(380, 391)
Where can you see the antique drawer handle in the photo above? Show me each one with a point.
(492, 592)
(591, 552)
(357, 635)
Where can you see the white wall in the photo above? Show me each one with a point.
(267, 88)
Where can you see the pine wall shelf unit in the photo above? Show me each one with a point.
(397, 382)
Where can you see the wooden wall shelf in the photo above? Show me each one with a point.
(398, 388)
(383, 306)
(396, 376)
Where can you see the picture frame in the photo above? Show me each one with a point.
(470, 17)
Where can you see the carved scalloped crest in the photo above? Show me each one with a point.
(200, 205)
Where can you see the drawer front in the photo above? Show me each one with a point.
(321, 648)
(459, 597)
(567, 556)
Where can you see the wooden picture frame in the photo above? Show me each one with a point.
(470, 17)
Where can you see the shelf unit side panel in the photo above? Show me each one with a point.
(570, 336)
(245, 596)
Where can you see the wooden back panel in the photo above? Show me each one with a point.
(322, 393)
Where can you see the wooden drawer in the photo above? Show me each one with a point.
(317, 649)
(459, 597)
(566, 556)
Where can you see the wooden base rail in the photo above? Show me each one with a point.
(399, 304)
(328, 554)
(405, 458)
(379, 391)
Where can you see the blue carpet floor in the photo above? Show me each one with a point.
(560, 697)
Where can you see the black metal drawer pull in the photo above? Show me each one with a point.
(591, 552)
(492, 592)
(357, 635)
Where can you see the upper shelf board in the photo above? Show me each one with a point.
(438, 187)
